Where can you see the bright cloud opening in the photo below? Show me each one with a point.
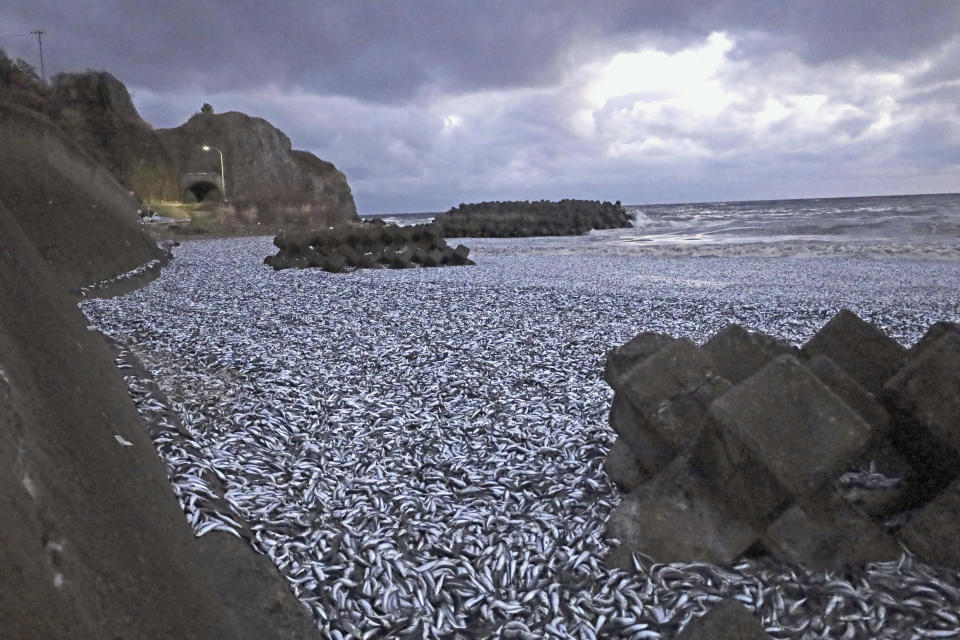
(686, 78)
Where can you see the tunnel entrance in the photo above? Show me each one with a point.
(202, 191)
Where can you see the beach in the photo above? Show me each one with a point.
(420, 450)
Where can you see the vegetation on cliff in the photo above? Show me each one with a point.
(539, 218)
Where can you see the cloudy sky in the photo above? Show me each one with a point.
(428, 103)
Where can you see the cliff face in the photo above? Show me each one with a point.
(262, 170)
(259, 163)
(95, 109)
(92, 541)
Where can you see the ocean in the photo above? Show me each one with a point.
(923, 226)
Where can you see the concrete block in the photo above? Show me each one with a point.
(924, 401)
(777, 436)
(936, 331)
(726, 620)
(824, 532)
(926, 391)
(676, 368)
(676, 517)
(934, 534)
(861, 349)
(460, 255)
(850, 391)
(672, 390)
(738, 475)
(368, 261)
(623, 468)
(801, 431)
(737, 353)
(622, 358)
(652, 453)
(335, 263)
(679, 420)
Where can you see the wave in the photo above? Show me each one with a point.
(797, 248)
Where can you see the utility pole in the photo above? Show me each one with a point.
(43, 75)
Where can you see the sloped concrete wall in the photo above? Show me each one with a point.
(72, 210)
(92, 541)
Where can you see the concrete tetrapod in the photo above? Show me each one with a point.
(799, 459)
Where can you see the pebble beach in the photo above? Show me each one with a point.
(420, 451)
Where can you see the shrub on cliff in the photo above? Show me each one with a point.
(20, 84)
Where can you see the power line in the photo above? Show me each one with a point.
(15, 35)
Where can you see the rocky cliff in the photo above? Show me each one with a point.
(92, 541)
(95, 109)
(259, 163)
(265, 176)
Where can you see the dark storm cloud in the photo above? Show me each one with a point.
(428, 103)
(390, 51)
(873, 32)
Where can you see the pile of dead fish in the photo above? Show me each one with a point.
(371, 245)
(96, 287)
(421, 451)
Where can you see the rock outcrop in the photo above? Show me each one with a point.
(825, 456)
(266, 180)
(259, 165)
(95, 109)
(93, 543)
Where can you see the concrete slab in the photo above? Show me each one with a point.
(851, 392)
(621, 359)
(800, 430)
(672, 390)
(676, 517)
(926, 391)
(862, 349)
(934, 534)
(936, 331)
(623, 468)
(738, 353)
(650, 450)
(823, 532)
(924, 401)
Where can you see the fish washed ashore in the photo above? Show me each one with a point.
(420, 451)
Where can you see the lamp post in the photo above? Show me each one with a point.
(223, 180)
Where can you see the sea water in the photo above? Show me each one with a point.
(921, 226)
(916, 219)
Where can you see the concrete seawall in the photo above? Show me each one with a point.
(93, 543)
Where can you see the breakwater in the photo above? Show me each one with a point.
(523, 219)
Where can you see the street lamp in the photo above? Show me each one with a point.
(223, 180)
